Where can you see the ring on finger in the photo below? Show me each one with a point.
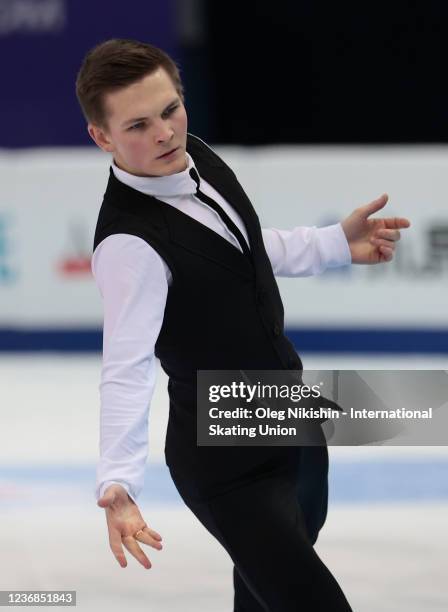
(139, 531)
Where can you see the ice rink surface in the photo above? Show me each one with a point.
(385, 540)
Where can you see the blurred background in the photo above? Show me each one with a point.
(319, 107)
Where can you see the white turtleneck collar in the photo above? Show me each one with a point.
(176, 184)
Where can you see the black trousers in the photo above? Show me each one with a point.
(268, 526)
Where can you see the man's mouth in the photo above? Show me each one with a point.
(167, 153)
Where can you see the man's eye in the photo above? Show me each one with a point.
(170, 110)
(136, 126)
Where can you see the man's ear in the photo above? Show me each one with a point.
(100, 138)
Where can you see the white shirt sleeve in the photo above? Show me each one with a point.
(304, 251)
(132, 279)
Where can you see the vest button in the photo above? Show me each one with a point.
(277, 330)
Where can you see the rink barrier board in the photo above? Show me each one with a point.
(309, 340)
(375, 481)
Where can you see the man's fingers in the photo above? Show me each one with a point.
(375, 205)
(379, 242)
(396, 223)
(146, 538)
(130, 543)
(116, 546)
(107, 499)
(152, 533)
(387, 253)
(390, 222)
(387, 234)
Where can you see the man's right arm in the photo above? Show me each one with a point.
(132, 279)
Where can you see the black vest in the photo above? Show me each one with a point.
(223, 310)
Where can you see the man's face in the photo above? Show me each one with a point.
(145, 120)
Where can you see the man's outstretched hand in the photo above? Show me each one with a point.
(123, 521)
(372, 241)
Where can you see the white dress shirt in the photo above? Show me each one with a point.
(133, 281)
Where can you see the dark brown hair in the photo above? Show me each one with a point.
(114, 64)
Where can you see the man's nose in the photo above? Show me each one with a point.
(164, 132)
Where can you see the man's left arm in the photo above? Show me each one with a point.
(306, 251)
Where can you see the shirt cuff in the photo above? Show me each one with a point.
(333, 246)
(99, 490)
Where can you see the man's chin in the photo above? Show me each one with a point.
(179, 164)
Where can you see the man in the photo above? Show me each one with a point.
(187, 275)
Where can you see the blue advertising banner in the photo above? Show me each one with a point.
(42, 43)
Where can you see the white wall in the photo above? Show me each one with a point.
(50, 200)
